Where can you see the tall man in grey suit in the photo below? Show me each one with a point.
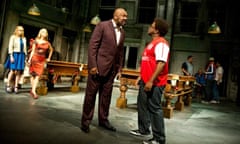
(105, 60)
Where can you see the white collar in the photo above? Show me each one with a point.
(115, 25)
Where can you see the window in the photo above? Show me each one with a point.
(108, 2)
(65, 5)
(140, 11)
(106, 9)
(187, 17)
(48, 2)
(130, 57)
(147, 11)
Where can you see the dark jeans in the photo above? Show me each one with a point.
(215, 91)
(150, 108)
(209, 90)
(199, 92)
(143, 114)
(238, 91)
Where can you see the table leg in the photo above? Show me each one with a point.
(122, 101)
(75, 87)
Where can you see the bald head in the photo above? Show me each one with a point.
(120, 16)
(118, 11)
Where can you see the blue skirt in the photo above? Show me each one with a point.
(19, 62)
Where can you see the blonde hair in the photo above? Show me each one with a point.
(18, 27)
(43, 30)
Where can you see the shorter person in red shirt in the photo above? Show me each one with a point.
(153, 78)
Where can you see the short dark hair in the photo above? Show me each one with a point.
(190, 56)
(162, 26)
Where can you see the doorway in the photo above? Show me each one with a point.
(130, 57)
(32, 32)
(221, 51)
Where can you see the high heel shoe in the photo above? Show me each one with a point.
(16, 90)
(35, 96)
(9, 89)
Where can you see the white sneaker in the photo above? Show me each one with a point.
(204, 102)
(213, 102)
(137, 133)
(5, 80)
(151, 141)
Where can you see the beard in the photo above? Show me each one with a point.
(121, 23)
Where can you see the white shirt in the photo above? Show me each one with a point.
(117, 31)
(190, 68)
(161, 52)
(219, 74)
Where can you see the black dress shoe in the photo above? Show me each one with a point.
(108, 126)
(85, 129)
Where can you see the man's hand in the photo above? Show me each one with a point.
(93, 71)
(119, 75)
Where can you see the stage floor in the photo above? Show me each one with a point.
(55, 119)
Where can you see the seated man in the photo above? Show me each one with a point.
(200, 84)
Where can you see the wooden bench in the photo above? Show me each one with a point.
(182, 90)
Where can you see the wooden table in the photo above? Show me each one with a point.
(56, 69)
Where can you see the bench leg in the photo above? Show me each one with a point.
(168, 112)
(167, 108)
(179, 105)
(188, 99)
(42, 89)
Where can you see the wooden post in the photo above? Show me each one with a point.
(122, 101)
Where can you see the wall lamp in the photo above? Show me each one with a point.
(34, 10)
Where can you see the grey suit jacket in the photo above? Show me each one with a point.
(103, 51)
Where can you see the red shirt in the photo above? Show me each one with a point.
(157, 50)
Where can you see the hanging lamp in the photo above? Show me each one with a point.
(95, 20)
(214, 29)
(34, 10)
